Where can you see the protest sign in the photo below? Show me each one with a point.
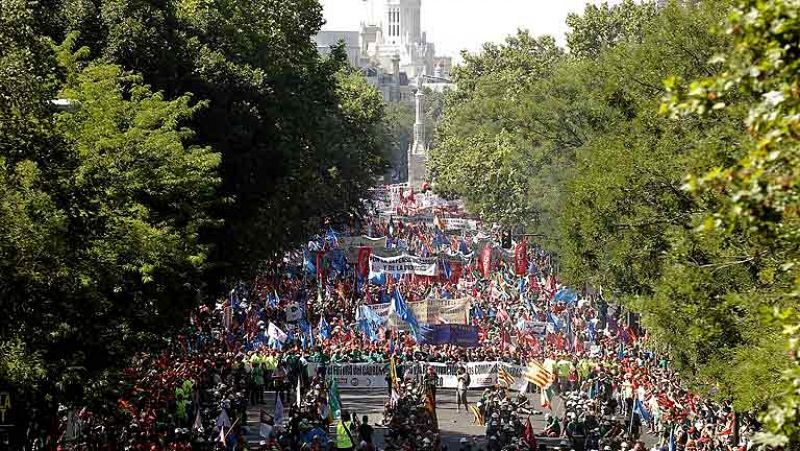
(404, 264)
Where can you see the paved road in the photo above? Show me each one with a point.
(452, 424)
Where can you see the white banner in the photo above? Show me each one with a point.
(460, 224)
(404, 264)
(373, 375)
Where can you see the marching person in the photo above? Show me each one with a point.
(344, 433)
(430, 381)
(463, 381)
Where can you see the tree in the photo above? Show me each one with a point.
(291, 157)
(100, 209)
(574, 147)
(601, 27)
(758, 191)
(481, 140)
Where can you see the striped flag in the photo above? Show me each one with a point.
(538, 375)
(478, 420)
(504, 377)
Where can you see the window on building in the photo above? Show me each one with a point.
(394, 23)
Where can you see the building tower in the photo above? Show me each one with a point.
(418, 151)
(395, 90)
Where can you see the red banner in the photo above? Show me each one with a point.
(363, 260)
(521, 258)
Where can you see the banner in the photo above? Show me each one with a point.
(373, 375)
(449, 311)
(459, 224)
(431, 311)
(352, 244)
(361, 241)
(535, 327)
(404, 264)
(453, 334)
(521, 258)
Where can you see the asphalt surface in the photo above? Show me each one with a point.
(453, 425)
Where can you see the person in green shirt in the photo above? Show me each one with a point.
(344, 433)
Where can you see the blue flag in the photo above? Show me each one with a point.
(555, 323)
(324, 329)
(309, 263)
(447, 271)
(672, 445)
(566, 295)
(642, 411)
(369, 322)
(406, 315)
(331, 237)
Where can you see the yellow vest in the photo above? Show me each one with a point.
(342, 438)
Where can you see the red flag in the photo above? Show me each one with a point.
(521, 258)
(455, 271)
(502, 315)
(363, 260)
(529, 436)
(486, 261)
(533, 282)
(504, 339)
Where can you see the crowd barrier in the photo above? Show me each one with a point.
(373, 375)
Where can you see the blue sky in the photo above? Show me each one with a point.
(466, 24)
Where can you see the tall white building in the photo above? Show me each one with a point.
(394, 27)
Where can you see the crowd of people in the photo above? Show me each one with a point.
(264, 334)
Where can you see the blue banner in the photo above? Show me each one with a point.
(455, 334)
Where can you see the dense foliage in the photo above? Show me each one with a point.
(197, 141)
(575, 145)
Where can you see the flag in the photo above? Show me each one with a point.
(308, 261)
(364, 254)
(278, 417)
(369, 322)
(298, 392)
(538, 375)
(485, 262)
(405, 314)
(504, 377)
(324, 329)
(478, 417)
(664, 402)
(528, 436)
(502, 315)
(274, 332)
(592, 329)
(430, 406)
(330, 236)
(334, 399)
(222, 435)
(198, 422)
(223, 420)
(554, 323)
(447, 271)
(566, 295)
(642, 411)
(672, 445)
